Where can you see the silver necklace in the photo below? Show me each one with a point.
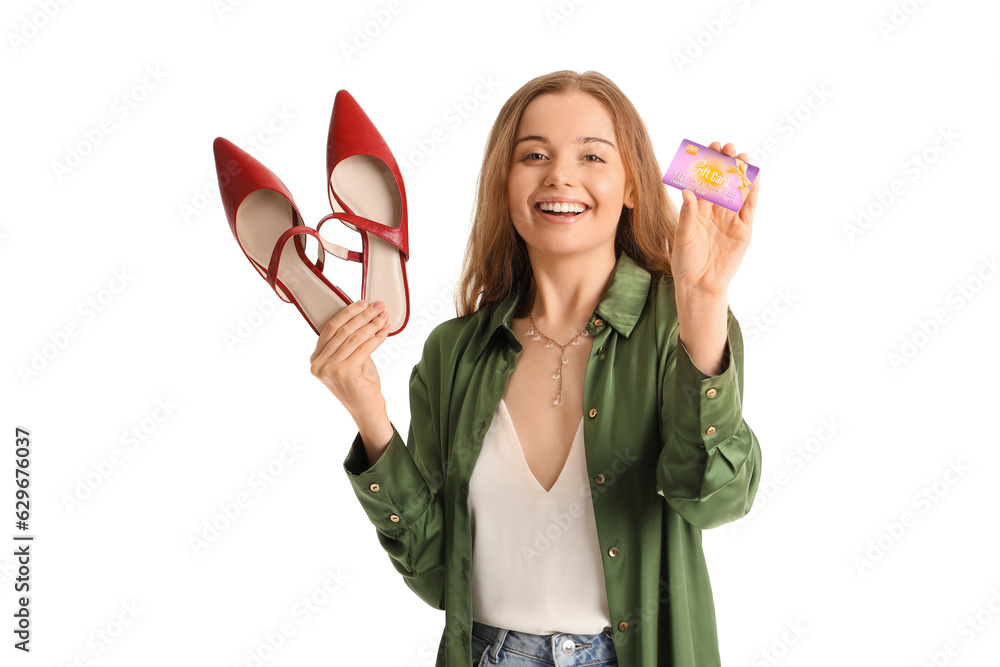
(565, 360)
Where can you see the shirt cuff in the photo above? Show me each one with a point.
(707, 409)
(392, 492)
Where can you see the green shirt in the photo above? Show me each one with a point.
(658, 478)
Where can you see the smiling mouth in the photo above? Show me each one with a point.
(561, 215)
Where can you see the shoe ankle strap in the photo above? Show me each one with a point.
(360, 223)
(339, 251)
(324, 247)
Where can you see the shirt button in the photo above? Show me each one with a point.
(711, 392)
(373, 487)
(592, 413)
(710, 430)
(394, 518)
(600, 349)
(613, 551)
(598, 322)
(623, 626)
(599, 478)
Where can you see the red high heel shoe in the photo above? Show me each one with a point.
(263, 217)
(367, 194)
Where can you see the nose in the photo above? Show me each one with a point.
(560, 172)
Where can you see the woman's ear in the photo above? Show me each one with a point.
(629, 196)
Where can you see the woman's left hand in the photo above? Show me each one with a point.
(711, 240)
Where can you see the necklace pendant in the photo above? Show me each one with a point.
(558, 374)
(549, 345)
(576, 341)
(537, 337)
(558, 400)
(565, 360)
(531, 331)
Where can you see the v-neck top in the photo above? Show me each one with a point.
(536, 557)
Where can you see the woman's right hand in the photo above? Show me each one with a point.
(342, 359)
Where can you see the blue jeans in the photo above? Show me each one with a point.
(492, 645)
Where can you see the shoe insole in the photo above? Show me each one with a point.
(262, 217)
(367, 187)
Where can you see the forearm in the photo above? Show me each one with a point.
(376, 433)
(703, 327)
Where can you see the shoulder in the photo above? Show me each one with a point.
(453, 333)
(447, 341)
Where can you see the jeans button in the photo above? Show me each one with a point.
(568, 646)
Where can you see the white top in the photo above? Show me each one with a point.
(536, 560)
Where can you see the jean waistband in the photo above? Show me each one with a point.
(560, 648)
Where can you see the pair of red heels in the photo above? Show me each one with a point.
(366, 194)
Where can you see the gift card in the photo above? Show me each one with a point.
(711, 175)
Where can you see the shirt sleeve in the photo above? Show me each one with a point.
(402, 494)
(709, 467)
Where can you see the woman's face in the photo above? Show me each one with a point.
(566, 152)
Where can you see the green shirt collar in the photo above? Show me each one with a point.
(620, 306)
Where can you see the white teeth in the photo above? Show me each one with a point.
(562, 207)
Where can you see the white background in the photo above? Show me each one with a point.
(834, 108)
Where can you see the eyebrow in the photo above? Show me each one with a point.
(579, 140)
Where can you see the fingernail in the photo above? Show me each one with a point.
(378, 304)
(362, 303)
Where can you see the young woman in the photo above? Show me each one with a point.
(579, 423)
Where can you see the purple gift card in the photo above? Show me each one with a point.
(711, 175)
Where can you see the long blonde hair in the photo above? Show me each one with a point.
(496, 258)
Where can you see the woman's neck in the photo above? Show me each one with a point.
(564, 292)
